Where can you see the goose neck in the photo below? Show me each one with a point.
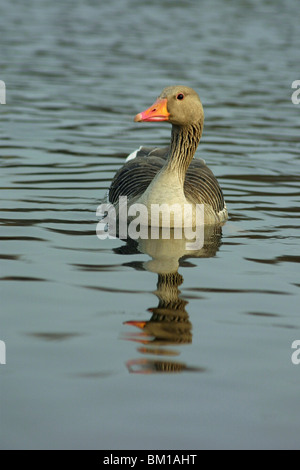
(184, 143)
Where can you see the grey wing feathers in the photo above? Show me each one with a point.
(202, 187)
(161, 152)
(134, 177)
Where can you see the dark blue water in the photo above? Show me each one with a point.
(116, 345)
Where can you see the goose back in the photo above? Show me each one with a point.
(132, 180)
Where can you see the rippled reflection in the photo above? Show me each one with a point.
(169, 323)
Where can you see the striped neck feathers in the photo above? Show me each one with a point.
(184, 143)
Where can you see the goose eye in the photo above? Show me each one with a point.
(180, 96)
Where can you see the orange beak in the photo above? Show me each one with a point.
(157, 112)
(138, 324)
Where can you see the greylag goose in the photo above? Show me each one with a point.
(171, 175)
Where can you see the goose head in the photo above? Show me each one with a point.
(180, 105)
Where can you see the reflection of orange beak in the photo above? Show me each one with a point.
(138, 324)
(157, 112)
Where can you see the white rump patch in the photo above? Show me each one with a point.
(133, 155)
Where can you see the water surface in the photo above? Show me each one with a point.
(114, 344)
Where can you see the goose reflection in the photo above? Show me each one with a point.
(169, 324)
